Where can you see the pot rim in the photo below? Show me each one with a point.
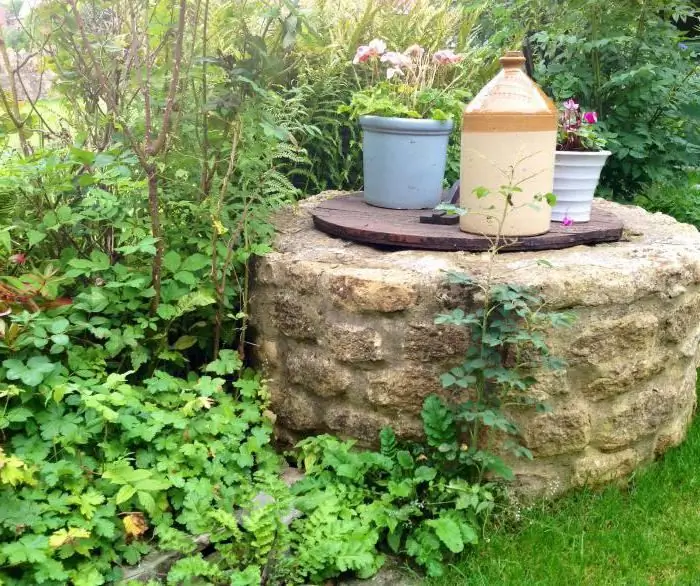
(585, 153)
(407, 125)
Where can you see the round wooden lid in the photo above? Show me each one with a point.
(510, 102)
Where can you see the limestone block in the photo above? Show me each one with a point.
(366, 423)
(560, 431)
(597, 468)
(539, 478)
(636, 416)
(427, 342)
(351, 343)
(294, 318)
(296, 409)
(682, 320)
(674, 433)
(550, 383)
(403, 388)
(317, 372)
(371, 290)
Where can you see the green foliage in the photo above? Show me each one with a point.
(630, 64)
(508, 346)
(412, 84)
(409, 503)
(94, 448)
(679, 199)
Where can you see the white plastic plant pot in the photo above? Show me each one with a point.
(576, 176)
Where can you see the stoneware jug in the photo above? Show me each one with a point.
(509, 134)
(404, 161)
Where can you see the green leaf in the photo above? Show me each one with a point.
(88, 576)
(82, 156)
(152, 484)
(449, 533)
(60, 339)
(88, 501)
(147, 501)
(33, 373)
(424, 474)
(172, 261)
(59, 325)
(185, 342)
(402, 489)
(469, 534)
(103, 159)
(64, 214)
(29, 549)
(228, 362)
(6, 240)
(146, 246)
(185, 277)
(196, 262)
(100, 260)
(192, 301)
(124, 494)
(404, 459)
(394, 539)
(139, 357)
(480, 192)
(34, 237)
(438, 422)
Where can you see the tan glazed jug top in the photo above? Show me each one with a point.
(509, 137)
(510, 102)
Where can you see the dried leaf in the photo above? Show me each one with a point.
(135, 524)
(63, 536)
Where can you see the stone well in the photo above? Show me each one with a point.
(345, 335)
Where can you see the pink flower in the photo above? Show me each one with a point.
(446, 57)
(590, 117)
(392, 71)
(415, 51)
(570, 105)
(364, 53)
(377, 47)
(19, 258)
(395, 59)
(567, 221)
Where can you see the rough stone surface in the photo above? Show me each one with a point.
(351, 343)
(390, 576)
(562, 431)
(345, 334)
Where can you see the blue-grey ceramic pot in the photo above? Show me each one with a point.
(404, 161)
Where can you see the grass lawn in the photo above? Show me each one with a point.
(646, 533)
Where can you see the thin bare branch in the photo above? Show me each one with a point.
(156, 146)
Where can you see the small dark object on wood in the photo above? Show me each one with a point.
(349, 217)
(451, 195)
(439, 217)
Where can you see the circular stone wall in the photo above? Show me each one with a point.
(345, 334)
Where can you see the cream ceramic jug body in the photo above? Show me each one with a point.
(509, 135)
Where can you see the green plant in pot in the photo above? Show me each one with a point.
(579, 159)
(406, 110)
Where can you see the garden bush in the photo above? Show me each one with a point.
(631, 64)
